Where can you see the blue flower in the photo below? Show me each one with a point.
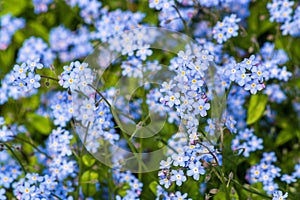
(296, 174)
(269, 157)
(270, 187)
(179, 196)
(180, 159)
(248, 63)
(195, 169)
(259, 73)
(33, 80)
(20, 71)
(143, 52)
(210, 128)
(34, 178)
(35, 49)
(2, 194)
(178, 177)
(166, 164)
(201, 107)
(278, 195)
(8, 26)
(280, 11)
(254, 86)
(27, 190)
(288, 178)
(41, 6)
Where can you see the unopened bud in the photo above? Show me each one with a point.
(213, 191)
(230, 176)
(47, 83)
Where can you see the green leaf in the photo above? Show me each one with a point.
(14, 7)
(31, 103)
(153, 187)
(6, 60)
(256, 108)
(38, 29)
(88, 160)
(284, 136)
(123, 190)
(40, 123)
(87, 182)
(258, 26)
(219, 196)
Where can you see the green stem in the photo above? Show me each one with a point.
(56, 196)
(223, 181)
(118, 121)
(166, 143)
(110, 182)
(213, 155)
(186, 28)
(33, 146)
(51, 78)
(81, 162)
(251, 190)
(222, 176)
(98, 92)
(15, 155)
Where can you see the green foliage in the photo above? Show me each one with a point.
(88, 160)
(39, 123)
(87, 181)
(284, 134)
(15, 7)
(256, 108)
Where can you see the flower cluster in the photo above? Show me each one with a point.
(265, 172)
(278, 195)
(116, 23)
(282, 12)
(62, 109)
(252, 72)
(186, 90)
(59, 165)
(246, 142)
(34, 186)
(34, 49)
(162, 193)
(7, 132)
(208, 84)
(8, 26)
(89, 9)
(77, 76)
(187, 161)
(126, 177)
(41, 6)
(170, 15)
(70, 45)
(25, 77)
(226, 29)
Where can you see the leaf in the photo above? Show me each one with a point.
(284, 136)
(14, 7)
(40, 123)
(256, 108)
(6, 60)
(123, 190)
(88, 160)
(87, 182)
(153, 187)
(38, 29)
(219, 196)
(258, 21)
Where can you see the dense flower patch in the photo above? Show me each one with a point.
(158, 99)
